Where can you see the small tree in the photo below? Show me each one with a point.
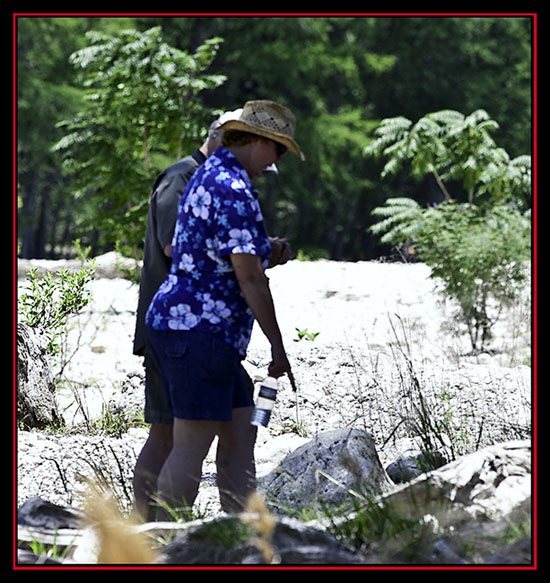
(477, 250)
(144, 112)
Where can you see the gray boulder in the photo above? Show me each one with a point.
(50, 525)
(130, 400)
(476, 510)
(326, 473)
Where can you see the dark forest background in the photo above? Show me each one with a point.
(339, 75)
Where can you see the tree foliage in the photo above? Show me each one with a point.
(339, 75)
(143, 110)
(454, 147)
(44, 96)
(479, 257)
(477, 250)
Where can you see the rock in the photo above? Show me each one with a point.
(227, 540)
(352, 375)
(26, 557)
(43, 266)
(112, 265)
(324, 472)
(475, 510)
(222, 540)
(409, 467)
(403, 470)
(39, 513)
(479, 540)
(36, 405)
(49, 525)
(517, 553)
(470, 511)
(130, 400)
(490, 482)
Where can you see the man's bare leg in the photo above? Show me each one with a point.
(148, 466)
(235, 460)
(179, 478)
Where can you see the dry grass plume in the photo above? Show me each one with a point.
(118, 540)
(257, 516)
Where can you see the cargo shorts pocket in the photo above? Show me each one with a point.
(176, 366)
(175, 351)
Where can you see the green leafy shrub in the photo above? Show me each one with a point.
(51, 300)
(477, 251)
(479, 257)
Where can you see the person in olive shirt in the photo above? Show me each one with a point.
(163, 206)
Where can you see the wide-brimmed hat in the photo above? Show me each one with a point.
(268, 119)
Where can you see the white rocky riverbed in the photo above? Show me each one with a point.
(379, 325)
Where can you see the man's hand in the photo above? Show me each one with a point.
(280, 365)
(280, 251)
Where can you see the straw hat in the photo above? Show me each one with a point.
(267, 119)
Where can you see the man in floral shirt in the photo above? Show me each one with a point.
(220, 215)
(200, 321)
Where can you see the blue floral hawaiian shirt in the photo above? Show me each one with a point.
(218, 214)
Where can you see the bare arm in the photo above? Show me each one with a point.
(255, 288)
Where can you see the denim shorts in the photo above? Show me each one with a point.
(201, 374)
(157, 409)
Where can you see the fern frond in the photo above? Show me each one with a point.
(522, 162)
(403, 202)
(391, 167)
(446, 116)
(401, 220)
(394, 125)
(427, 126)
(389, 130)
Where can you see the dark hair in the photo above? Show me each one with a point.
(239, 138)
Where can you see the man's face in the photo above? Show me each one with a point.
(264, 154)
